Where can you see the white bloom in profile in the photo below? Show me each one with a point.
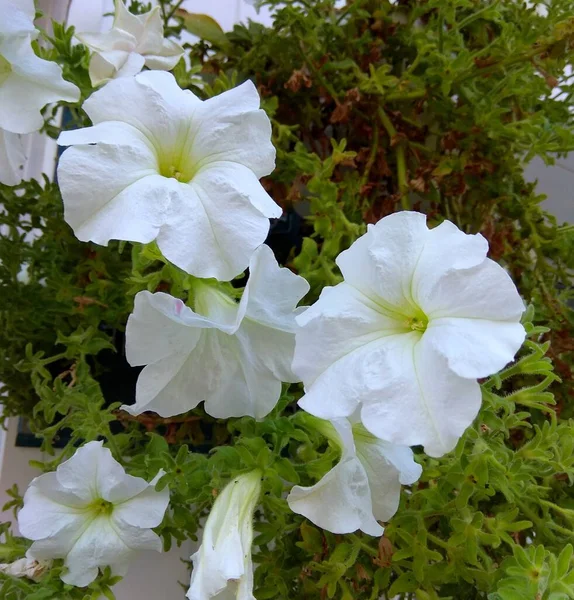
(231, 355)
(92, 514)
(222, 567)
(12, 157)
(166, 166)
(27, 82)
(365, 485)
(26, 567)
(132, 42)
(421, 314)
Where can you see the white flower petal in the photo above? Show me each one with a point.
(382, 262)
(112, 192)
(152, 102)
(90, 471)
(482, 292)
(475, 347)
(216, 214)
(31, 84)
(387, 466)
(114, 63)
(222, 567)
(340, 502)
(169, 55)
(447, 249)
(98, 546)
(272, 292)
(160, 326)
(233, 127)
(48, 518)
(18, 18)
(142, 510)
(12, 157)
(417, 399)
(334, 351)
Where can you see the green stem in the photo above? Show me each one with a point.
(401, 159)
(412, 95)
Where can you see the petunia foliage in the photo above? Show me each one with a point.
(377, 402)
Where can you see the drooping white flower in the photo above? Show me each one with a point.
(92, 514)
(132, 42)
(232, 356)
(222, 567)
(27, 82)
(12, 157)
(365, 485)
(420, 316)
(166, 166)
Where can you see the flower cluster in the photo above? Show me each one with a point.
(389, 358)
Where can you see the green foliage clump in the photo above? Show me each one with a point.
(432, 105)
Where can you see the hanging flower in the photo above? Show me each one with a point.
(232, 356)
(132, 42)
(420, 316)
(168, 167)
(27, 82)
(222, 567)
(92, 514)
(12, 158)
(363, 488)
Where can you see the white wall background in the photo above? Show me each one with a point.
(153, 576)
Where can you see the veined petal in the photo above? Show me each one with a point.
(12, 157)
(113, 192)
(334, 350)
(152, 102)
(99, 545)
(475, 347)
(144, 509)
(90, 472)
(32, 83)
(216, 214)
(418, 399)
(47, 516)
(482, 292)
(447, 250)
(231, 126)
(272, 292)
(340, 502)
(159, 327)
(381, 263)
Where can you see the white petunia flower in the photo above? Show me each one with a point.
(27, 82)
(92, 514)
(222, 567)
(12, 157)
(232, 356)
(363, 488)
(420, 316)
(132, 42)
(166, 166)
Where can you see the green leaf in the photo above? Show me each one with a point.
(204, 27)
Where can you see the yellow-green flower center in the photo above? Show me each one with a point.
(101, 507)
(5, 69)
(418, 323)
